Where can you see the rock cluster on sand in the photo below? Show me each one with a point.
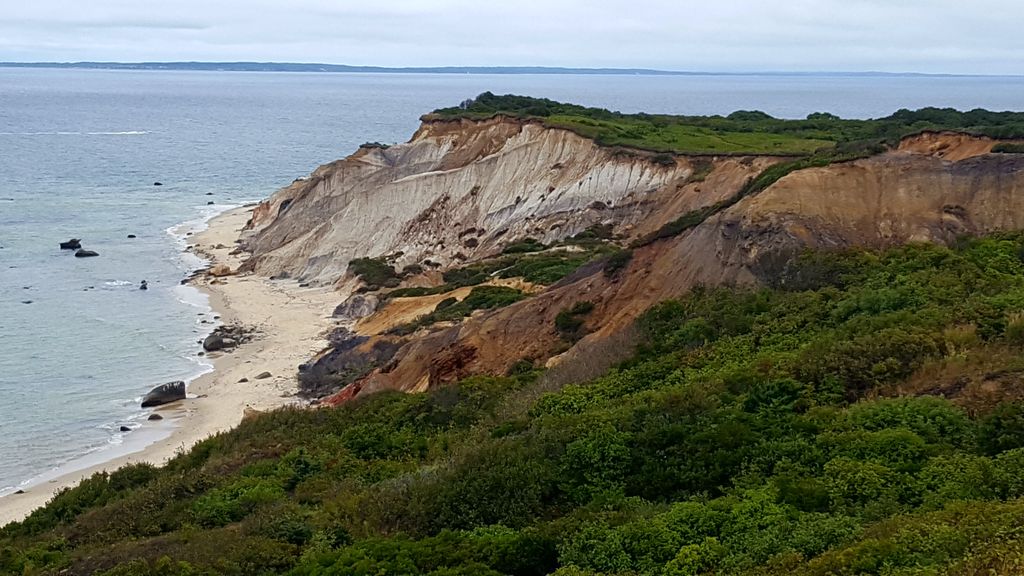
(228, 336)
(164, 394)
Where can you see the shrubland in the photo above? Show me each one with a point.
(861, 415)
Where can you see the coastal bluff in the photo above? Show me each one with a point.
(463, 190)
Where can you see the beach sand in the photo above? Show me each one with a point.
(293, 323)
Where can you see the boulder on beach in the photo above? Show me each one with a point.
(218, 270)
(164, 394)
(155, 417)
(73, 244)
(263, 375)
(214, 342)
(81, 253)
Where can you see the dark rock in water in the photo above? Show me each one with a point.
(155, 417)
(158, 184)
(264, 376)
(73, 244)
(209, 193)
(165, 394)
(26, 301)
(85, 254)
(144, 285)
(210, 203)
(125, 429)
(131, 236)
(201, 354)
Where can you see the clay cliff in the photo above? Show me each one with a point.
(461, 191)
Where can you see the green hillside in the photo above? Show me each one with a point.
(861, 417)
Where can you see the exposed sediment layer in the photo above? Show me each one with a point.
(461, 190)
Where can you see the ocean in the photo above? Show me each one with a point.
(80, 151)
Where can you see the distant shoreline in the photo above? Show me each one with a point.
(482, 70)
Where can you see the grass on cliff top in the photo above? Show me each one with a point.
(742, 132)
(750, 435)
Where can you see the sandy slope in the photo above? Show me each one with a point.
(292, 321)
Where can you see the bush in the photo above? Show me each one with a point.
(1003, 429)
(617, 262)
(375, 272)
(1008, 148)
(569, 323)
(524, 246)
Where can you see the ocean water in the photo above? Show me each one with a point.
(80, 151)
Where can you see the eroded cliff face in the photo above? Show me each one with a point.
(460, 191)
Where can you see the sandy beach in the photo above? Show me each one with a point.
(292, 323)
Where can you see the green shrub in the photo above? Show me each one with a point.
(375, 272)
(1003, 429)
(569, 323)
(1008, 148)
(524, 246)
(617, 262)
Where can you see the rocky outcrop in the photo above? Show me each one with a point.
(73, 244)
(82, 253)
(357, 306)
(164, 394)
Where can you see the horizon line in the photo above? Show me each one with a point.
(315, 67)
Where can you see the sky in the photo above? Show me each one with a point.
(930, 36)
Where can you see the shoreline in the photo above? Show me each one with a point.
(292, 323)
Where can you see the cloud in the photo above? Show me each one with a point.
(726, 35)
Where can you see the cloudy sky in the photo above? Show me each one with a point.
(942, 36)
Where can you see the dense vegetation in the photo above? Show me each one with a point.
(743, 132)
(862, 416)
